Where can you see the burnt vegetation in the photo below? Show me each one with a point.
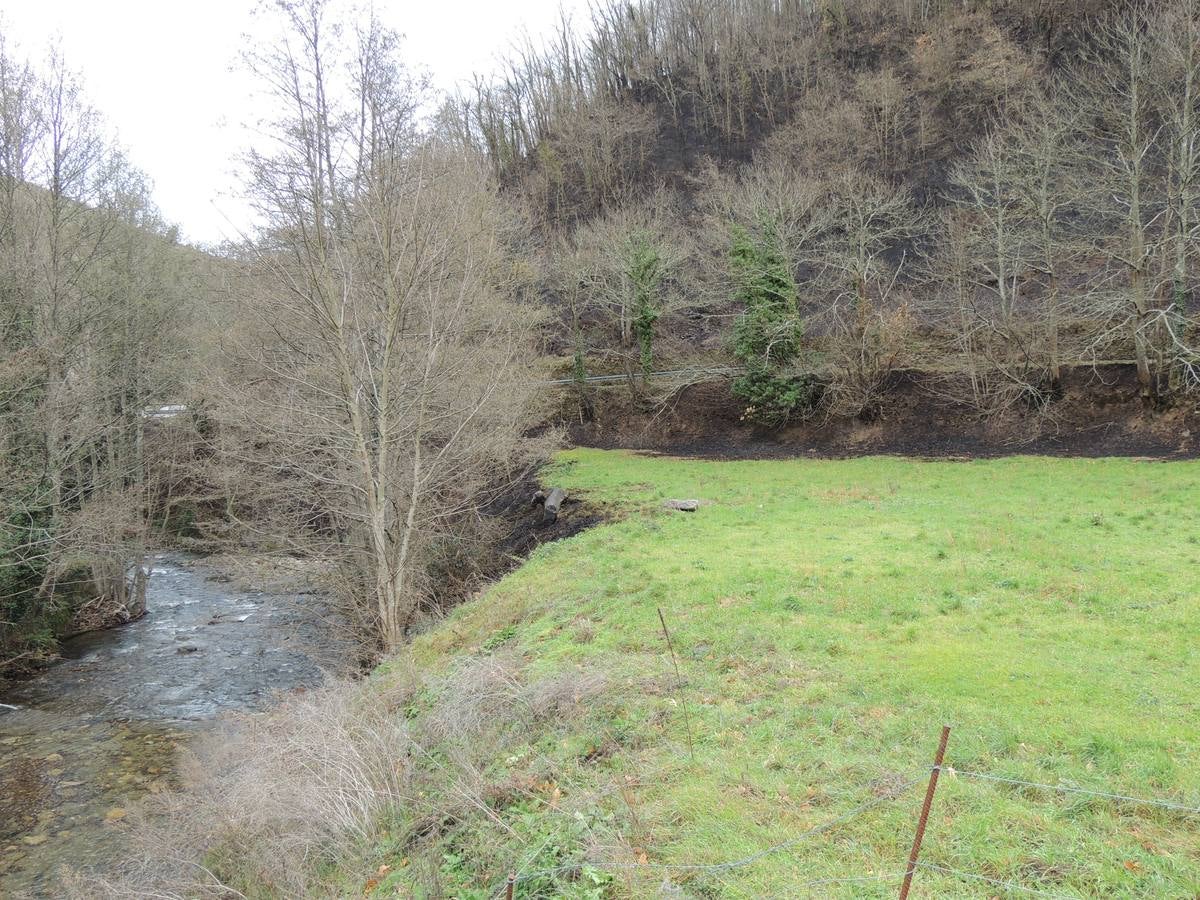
(987, 193)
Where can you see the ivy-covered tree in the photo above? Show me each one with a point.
(766, 338)
(645, 273)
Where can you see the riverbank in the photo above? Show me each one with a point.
(1098, 413)
(88, 736)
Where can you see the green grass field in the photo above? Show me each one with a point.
(829, 617)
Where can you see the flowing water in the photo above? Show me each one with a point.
(91, 734)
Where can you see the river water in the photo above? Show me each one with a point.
(91, 734)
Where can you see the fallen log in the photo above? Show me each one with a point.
(682, 505)
(550, 505)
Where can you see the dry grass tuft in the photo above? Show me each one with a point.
(476, 697)
(584, 631)
(486, 695)
(268, 799)
(564, 694)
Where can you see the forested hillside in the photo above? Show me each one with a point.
(828, 193)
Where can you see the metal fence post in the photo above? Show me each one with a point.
(933, 780)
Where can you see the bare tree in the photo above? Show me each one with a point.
(1114, 87)
(858, 262)
(997, 232)
(627, 266)
(1175, 34)
(391, 367)
(1044, 133)
(771, 192)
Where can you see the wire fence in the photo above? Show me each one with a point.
(700, 373)
(994, 882)
(511, 886)
(693, 373)
(1066, 789)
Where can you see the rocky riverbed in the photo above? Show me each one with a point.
(90, 735)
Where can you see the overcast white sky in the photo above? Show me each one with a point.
(163, 73)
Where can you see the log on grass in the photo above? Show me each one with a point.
(550, 504)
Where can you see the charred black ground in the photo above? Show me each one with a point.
(1098, 414)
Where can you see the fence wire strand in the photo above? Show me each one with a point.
(735, 863)
(1141, 801)
(1007, 885)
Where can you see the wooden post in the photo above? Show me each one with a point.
(508, 888)
(919, 836)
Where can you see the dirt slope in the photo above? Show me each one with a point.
(1099, 414)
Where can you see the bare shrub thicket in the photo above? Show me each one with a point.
(268, 799)
(827, 133)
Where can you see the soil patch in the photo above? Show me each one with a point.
(521, 526)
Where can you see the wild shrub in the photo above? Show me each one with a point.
(269, 800)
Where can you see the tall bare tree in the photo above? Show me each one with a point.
(1114, 87)
(859, 261)
(391, 367)
(1175, 34)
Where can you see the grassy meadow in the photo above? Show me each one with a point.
(828, 617)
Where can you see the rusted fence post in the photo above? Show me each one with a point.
(508, 888)
(919, 836)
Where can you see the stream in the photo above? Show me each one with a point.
(92, 733)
